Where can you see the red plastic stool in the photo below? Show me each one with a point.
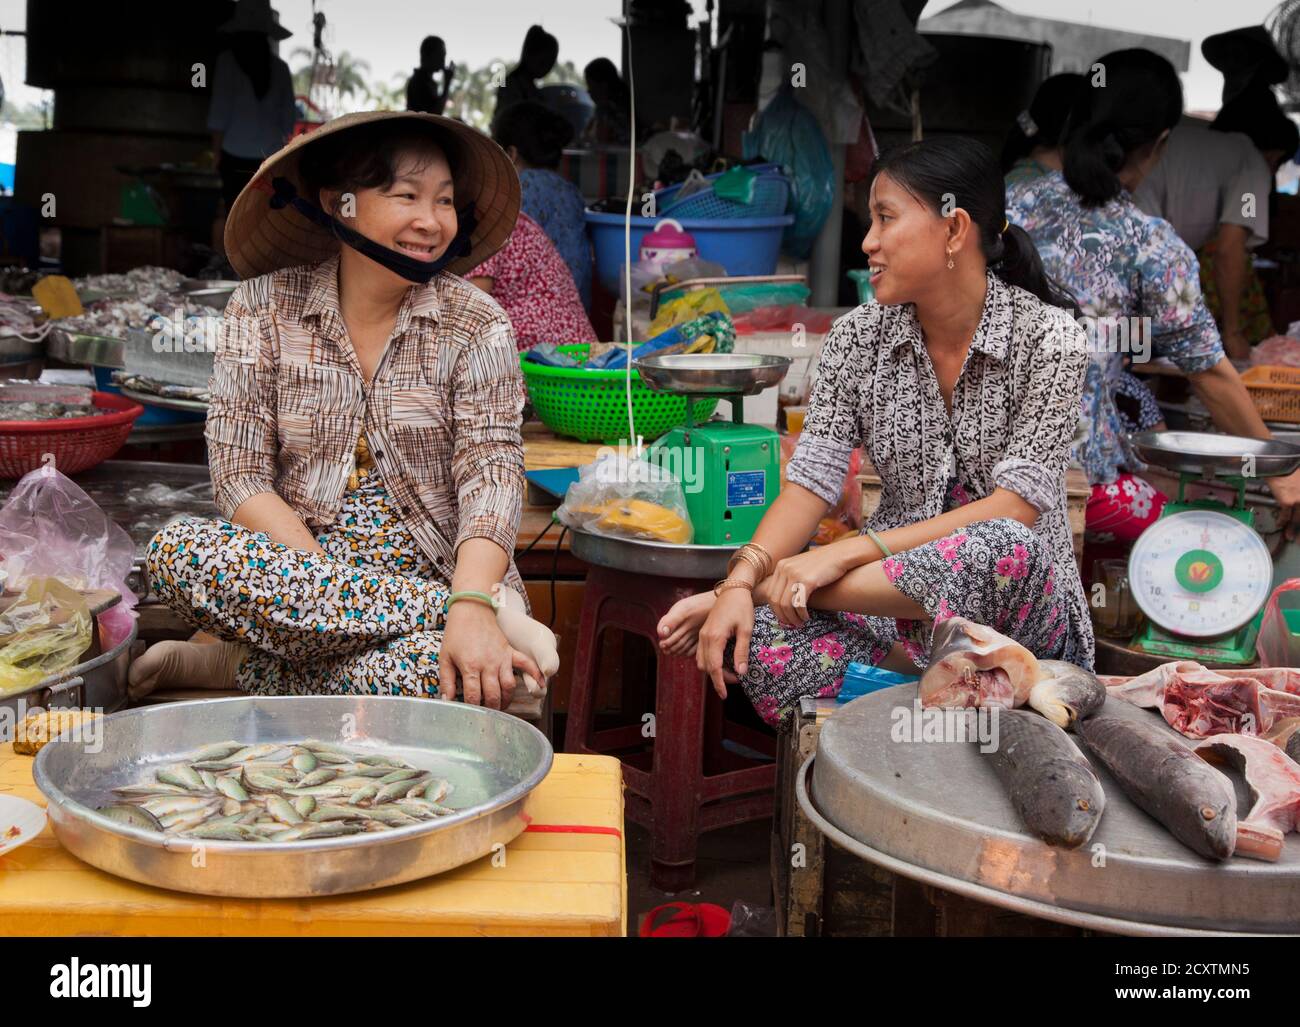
(693, 783)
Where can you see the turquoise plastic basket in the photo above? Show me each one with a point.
(591, 405)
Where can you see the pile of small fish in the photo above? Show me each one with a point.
(48, 411)
(281, 792)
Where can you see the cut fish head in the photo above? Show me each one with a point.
(973, 665)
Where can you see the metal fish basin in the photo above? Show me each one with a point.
(934, 811)
(493, 760)
(1205, 453)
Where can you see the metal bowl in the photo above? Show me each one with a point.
(494, 761)
(713, 374)
(1205, 453)
(662, 559)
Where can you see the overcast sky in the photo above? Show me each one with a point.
(387, 32)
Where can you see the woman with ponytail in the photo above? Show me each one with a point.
(1135, 279)
(962, 382)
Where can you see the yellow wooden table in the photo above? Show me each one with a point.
(565, 875)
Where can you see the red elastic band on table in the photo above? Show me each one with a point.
(574, 829)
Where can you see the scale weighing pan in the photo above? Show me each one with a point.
(715, 374)
(1203, 453)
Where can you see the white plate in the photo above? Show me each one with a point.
(23, 814)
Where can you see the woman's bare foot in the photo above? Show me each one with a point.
(185, 665)
(679, 630)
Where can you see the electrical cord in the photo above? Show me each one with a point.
(555, 570)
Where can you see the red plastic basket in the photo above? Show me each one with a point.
(77, 443)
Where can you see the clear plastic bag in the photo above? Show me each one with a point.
(627, 498)
(45, 630)
(1279, 640)
(51, 528)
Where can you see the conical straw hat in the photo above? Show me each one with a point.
(261, 239)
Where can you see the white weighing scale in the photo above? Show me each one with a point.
(1201, 573)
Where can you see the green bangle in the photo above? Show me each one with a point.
(482, 597)
(876, 539)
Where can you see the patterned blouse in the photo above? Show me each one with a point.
(533, 285)
(1122, 266)
(440, 418)
(1015, 408)
(556, 204)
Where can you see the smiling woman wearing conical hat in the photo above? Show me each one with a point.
(363, 433)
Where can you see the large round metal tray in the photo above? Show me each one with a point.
(662, 559)
(938, 808)
(493, 759)
(1205, 453)
(713, 374)
(189, 406)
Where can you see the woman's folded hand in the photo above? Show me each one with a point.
(476, 654)
(794, 579)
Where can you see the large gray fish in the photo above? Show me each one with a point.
(1050, 783)
(1066, 693)
(1163, 776)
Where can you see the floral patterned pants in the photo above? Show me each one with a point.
(365, 618)
(994, 572)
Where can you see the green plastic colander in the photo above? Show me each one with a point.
(591, 405)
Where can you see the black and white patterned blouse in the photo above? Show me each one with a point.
(1015, 408)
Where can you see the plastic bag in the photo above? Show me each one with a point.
(787, 133)
(687, 308)
(51, 528)
(644, 277)
(1279, 632)
(43, 632)
(627, 498)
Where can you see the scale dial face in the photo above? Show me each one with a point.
(1200, 573)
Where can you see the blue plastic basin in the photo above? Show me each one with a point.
(744, 246)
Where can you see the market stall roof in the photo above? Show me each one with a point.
(1074, 45)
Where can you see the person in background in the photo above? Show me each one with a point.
(530, 280)
(610, 124)
(536, 60)
(1032, 148)
(535, 136)
(1120, 265)
(1213, 185)
(252, 109)
(1033, 144)
(422, 93)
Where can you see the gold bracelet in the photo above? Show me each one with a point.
(754, 555)
(727, 583)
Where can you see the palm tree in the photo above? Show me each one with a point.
(342, 73)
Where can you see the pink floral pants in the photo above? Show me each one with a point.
(997, 573)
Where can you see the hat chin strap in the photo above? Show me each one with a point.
(285, 194)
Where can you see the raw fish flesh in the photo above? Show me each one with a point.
(1051, 784)
(1163, 776)
(1274, 782)
(1198, 702)
(973, 665)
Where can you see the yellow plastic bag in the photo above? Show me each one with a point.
(687, 308)
(45, 630)
(57, 297)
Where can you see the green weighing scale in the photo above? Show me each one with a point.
(730, 471)
(1201, 573)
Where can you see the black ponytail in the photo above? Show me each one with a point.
(1042, 123)
(953, 171)
(1131, 97)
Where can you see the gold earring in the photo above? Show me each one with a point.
(948, 250)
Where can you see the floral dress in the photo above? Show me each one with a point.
(556, 204)
(1138, 286)
(364, 619)
(1015, 407)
